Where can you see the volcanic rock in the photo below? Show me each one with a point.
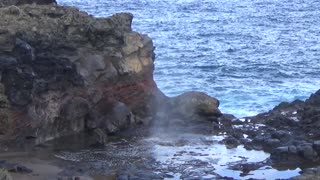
(63, 71)
(195, 106)
(4, 3)
(292, 130)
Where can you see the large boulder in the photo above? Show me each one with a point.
(195, 106)
(63, 71)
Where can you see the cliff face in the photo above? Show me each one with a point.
(63, 71)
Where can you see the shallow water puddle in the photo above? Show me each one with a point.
(262, 173)
(215, 157)
(183, 155)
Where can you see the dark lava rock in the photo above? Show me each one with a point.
(245, 168)
(230, 142)
(316, 146)
(293, 149)
(308, 174)
(260, 139)
(290, 132)
(196, 106)
(4, 3)
(272, 142)
(7, 62)
(281, 134)
(306, 151)
(281, 150)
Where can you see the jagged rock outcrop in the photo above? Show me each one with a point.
(63, 71)
(290, 132)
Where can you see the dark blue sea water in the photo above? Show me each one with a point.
(250, 54)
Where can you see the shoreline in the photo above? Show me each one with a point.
(83, 88)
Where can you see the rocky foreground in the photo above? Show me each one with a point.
(65, 73)
(289, 132)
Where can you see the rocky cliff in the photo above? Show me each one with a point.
(63, 71)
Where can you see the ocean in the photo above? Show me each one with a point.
(249, 54)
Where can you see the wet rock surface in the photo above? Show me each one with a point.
(176, 152)
(194, 150)
(289, 132)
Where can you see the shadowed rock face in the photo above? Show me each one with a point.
(4, 3)
(63, 71)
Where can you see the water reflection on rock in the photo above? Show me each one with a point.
(179, 156)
